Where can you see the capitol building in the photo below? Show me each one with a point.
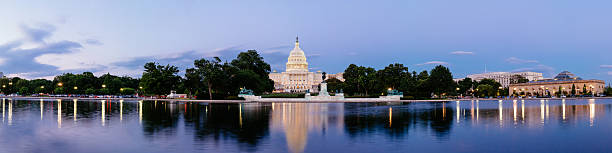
(297, 77)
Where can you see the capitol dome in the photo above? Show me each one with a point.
(297, 59)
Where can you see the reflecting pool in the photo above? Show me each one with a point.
(572, 125)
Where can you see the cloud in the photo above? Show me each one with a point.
(606, 66)
(37, 34)
(538, 68)
(515, 60)
(93, 42)
(433, 63)
(20, 61)
(610, 73)
(462, 53)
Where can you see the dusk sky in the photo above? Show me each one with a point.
(40, 39)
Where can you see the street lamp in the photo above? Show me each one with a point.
(42, 87)
(60, 84)
(10, 83)
(103, 86)
(75, 88)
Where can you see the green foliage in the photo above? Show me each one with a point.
(484, 90)
(127, 91)
(608, 91)
(573, 89)
(465, 85)
(158, 79)
(515, 79)
(360, 80)
(442, 80)
(334, 85)
(214, 79)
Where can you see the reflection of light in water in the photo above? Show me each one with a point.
(591, 111)
(514, 110)
(390, 116)
(472, 111)
(140, 111)
(477, 109)
(297, 120)
(240, 114)
(501, 114)
(10, 112)
(59, 113)
(458, 110)
(3, 110)
(547, 110)
(523, 110)
(41, 109)
(563, 107)
(103, 112)
(542, 111)
(120, 110)
(443, 111)
(74, 111)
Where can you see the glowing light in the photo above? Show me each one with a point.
(60, 84)
(103, 86)
(75, 88)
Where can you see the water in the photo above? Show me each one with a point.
(581, 125)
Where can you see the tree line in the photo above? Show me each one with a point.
(68, 83)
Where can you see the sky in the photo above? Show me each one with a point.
(40, 39)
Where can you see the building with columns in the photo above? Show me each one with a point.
(504, 77)
(297, 77)
(563, 83)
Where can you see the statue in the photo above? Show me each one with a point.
(324, 76)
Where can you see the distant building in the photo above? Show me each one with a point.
(1, 75)
(504, 77)
(564, 80)
(296, 77)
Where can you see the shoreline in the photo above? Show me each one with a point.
(292, 100)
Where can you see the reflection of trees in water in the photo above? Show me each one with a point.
(364, 119)
(246, 123)
(159, 118)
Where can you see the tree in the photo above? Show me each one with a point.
(484, 90)
(573, 89)
(392, 75)
(584, 90)
(159, 79)
(251, 61)
(360, 80)
(441, 80)
(211, 72)
(128, 91)
(334, 84)
(465, 85)
(515, 79)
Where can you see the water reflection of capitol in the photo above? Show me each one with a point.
(297, 120)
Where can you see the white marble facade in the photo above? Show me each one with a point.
(296, 77)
